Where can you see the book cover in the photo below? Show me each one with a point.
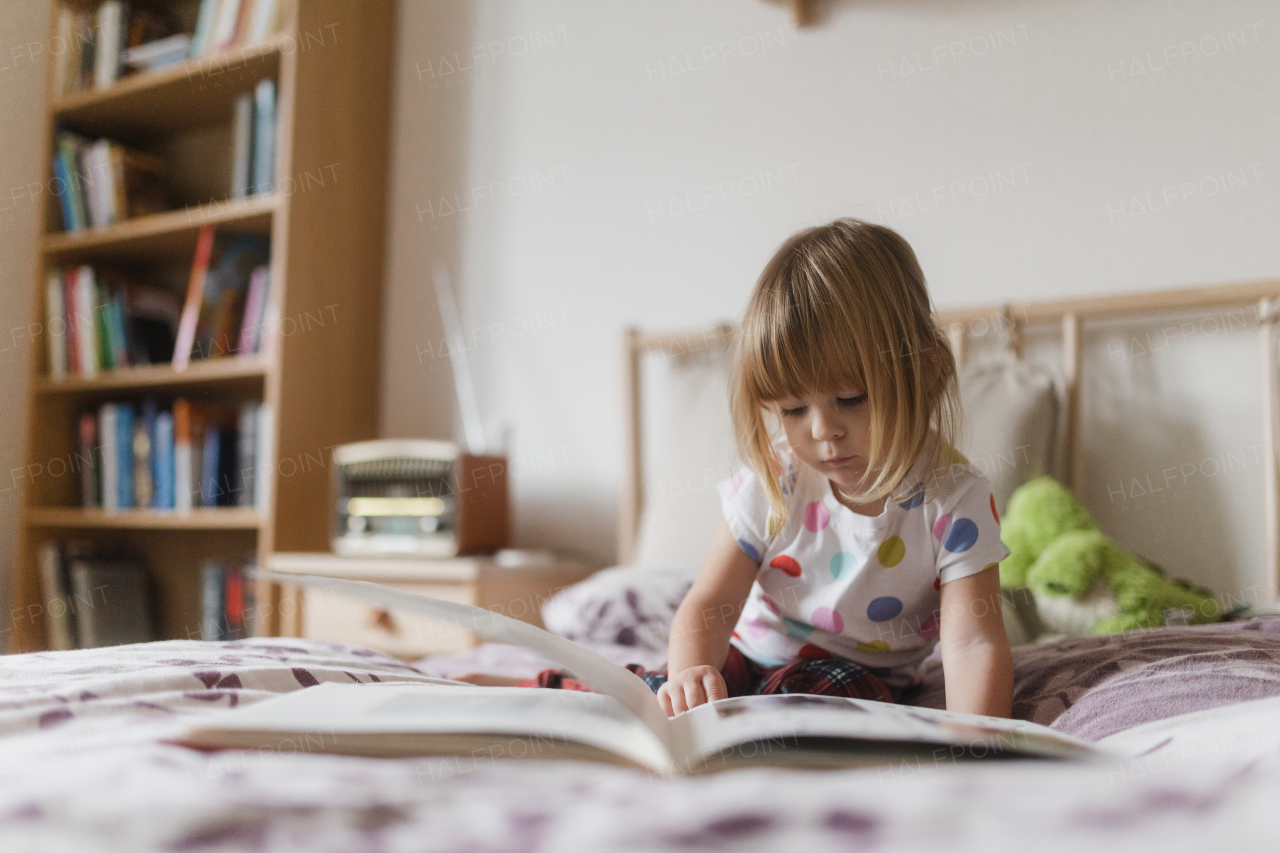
(86, 325)
(55, 324)
(113, 602)
(242, 146)
(87, 460)
(186, 336)
(264, 136)
(232, 262)
(164, 456)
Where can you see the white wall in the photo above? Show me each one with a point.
(1008, 141)
(22, 34)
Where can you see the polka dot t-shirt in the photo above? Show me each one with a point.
(864, 588)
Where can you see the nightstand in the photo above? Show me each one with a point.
(516, 589)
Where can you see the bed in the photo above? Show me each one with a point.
(87, 766)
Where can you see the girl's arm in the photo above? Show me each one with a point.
(976, 661)
(703, 624)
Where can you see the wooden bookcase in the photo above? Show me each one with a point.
(331, 63)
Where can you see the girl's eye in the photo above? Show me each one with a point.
(794, 413)
(850, 402)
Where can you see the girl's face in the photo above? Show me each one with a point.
(830, 434)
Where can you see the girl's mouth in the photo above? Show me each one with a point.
(839, 460)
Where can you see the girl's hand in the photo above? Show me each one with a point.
(690, 688)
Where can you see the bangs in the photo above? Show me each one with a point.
(796, 345)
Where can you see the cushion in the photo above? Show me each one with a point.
(1014, 423)
(693, 451)
(624, 606)
(1092, 687)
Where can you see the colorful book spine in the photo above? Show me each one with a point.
(110, 456)
(264, 136)
(184, 481)
(209, 465)
(242, 147)
(164, 472)
(144, 449)
(86, 298)
(124, 456)
(87, 460)
(56, 325)
(195, 296)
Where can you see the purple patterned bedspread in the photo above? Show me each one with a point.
(84, 767)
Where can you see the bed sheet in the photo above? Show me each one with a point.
(84, 767)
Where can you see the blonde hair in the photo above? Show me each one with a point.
(838, 307)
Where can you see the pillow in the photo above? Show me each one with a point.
(1092, 687)
(1015, 424)
(624, 606)
(694, 451)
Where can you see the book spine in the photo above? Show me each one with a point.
(73, 185)
(264, 136)
(209, 466)
(53, 589)
(195, 296)
(110, 457)
(183, 482)
(102, 323)
(227, 473)
(242, 147)
(144, 455)
(163, 475)
(83, 593)
(264, 13)
(56, 325)
(204, 25)
(65, 202)
(224, 28)
(124, 455)
(233, 603)
(265, 459)
(211, 606)
(69, 309)
(86, 321)
(246, 453)
(86, 459)
(107, 60)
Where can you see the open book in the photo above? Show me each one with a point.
(622, 723)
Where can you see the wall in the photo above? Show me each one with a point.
(613, 164)
(21, 105)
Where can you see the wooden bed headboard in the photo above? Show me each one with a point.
(962, 323)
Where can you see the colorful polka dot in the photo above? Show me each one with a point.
(962, 536)
(843, 564)
(940, 526)
(796, 628)
(884, 608)
(770, 603)
(929, 628)
(756, 628)
(811, 652)
(875, 647)
(827, 619)
(891, 551)
(786, 565)
(994, 514)
(816, 517)
(749, 550)
(916, 499)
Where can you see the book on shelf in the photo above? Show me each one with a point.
(253, 141)
(218, 296)
(225, 24)
(93, 598)
(102, 182)
(192, 456)
(100, 319)
(620, 724)
(227, 599)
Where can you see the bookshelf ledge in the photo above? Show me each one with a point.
(220, 518)
(253, 212)
(202, 371)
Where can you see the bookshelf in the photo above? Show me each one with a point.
(330, 62)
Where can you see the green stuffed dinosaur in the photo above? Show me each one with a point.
(1081, 579)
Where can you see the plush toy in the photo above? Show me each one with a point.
(1082, 581)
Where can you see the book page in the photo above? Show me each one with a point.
(392, 718)
(784, 720)
(600, 673)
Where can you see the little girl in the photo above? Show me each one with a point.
(859, 538)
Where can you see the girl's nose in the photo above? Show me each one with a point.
(825, 428)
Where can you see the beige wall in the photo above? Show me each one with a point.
(638, 162)
(24, 24)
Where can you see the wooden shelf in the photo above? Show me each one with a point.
(231, 370)
(170, 234)
(196, 93)
(221, 518)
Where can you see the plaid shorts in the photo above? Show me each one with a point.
(817, 675)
